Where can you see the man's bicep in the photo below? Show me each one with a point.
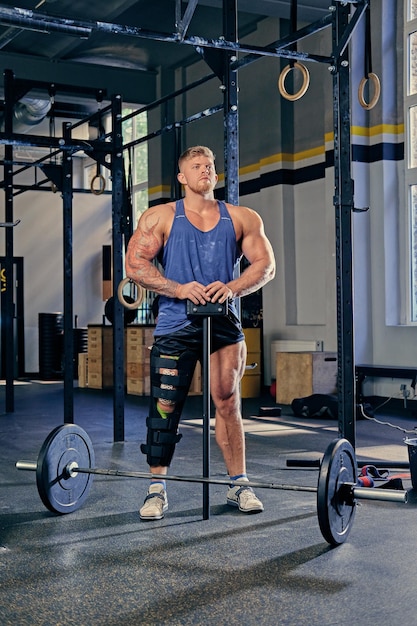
(255, 245)
(147, 240)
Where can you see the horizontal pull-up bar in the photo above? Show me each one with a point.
(17, 139)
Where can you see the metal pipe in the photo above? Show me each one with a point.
(170, 96)
(169, 127)
(206, 413)
(289, 40)
(31, 20)
(117, 173)
(42, 23)
(39, 141)
(68, 278)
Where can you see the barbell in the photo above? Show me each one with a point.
(65, 469)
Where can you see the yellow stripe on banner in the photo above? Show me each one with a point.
(380, 129)
(309, 154)
(159, 189)
(249, 169)
(292, 158)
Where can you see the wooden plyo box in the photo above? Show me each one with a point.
(251, 382)
(138, 343)
(300, 374)
(82, 369)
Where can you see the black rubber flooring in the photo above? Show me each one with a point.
(101, 565)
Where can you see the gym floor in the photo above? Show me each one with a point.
(101, 565)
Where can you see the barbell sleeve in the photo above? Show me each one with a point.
(26, 465)
(388, 495)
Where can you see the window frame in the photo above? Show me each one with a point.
(145, 314)
(410, 154)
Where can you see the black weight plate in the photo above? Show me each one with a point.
(129, 315)
(59, 492)
(335, 510)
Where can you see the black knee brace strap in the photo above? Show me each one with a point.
(162, 433)
(161, 440)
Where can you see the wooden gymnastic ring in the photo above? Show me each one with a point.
(377, 91)
(306, 81)
(129, 305)
(102, 185)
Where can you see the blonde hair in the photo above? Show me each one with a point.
(194, 151)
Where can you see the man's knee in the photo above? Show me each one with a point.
(165, 406)
(170, 381)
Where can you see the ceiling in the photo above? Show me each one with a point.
(118, 62)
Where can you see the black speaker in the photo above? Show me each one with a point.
(106, 262)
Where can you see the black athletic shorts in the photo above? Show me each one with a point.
(225, 331)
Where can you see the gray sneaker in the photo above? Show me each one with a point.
(155, 504)
(245, 499)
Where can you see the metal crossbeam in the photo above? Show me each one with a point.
(31, 20)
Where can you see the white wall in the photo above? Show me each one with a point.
(305, 278)
(39, 240)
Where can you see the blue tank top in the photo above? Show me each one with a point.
(191, 254)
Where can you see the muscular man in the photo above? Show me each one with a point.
(198, 241)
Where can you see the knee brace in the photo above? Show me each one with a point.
(162, 435)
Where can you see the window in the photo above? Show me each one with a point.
(136, 164)
(135, 128)
(410, 47)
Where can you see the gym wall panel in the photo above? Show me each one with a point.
(310, 260)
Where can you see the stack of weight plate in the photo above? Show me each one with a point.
(51, 336)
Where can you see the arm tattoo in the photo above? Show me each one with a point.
(143, 248)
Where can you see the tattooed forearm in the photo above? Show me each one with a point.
(148, 275)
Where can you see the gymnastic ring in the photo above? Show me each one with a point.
(377, 91)
(306, 81)
(130, 305)
(102, 185)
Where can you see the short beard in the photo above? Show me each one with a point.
(203, 186)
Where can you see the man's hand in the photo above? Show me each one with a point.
(194, 291)
(218, 292)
